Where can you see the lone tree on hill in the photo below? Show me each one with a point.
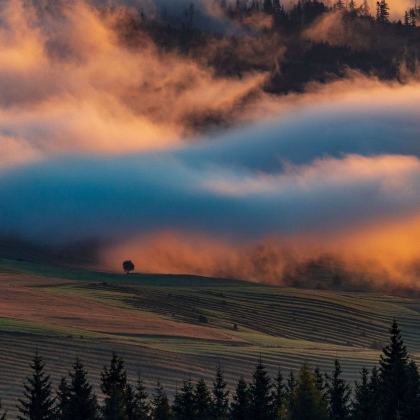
(128, 266)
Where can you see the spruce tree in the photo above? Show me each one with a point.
(374, 394)
(361, 407)
(220, 405)
(308, 404)
(82, 403)
(260, 397)
(184, 402)
(382, 11)
(338, 394)
(412, 15)
(385, 11)
(393, 374)
(279, 396)
(321, 384)
(239, 408)
(62, 399)
(291, 391)
(406, 19)
(114, 379)
(352, 6)
(37, 402)
(276, 7)
(202, 401)
(141, 404)
(130, 403)
(161, 410)
(365, 9)
(115, 408)
(114, 386)
(339, 5)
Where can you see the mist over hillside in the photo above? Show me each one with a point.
(246, 140)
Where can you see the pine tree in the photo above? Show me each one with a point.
(161, 410)
(385, 11)
(82, 403)
(114, 379)
(413, 17)
(308, 403)
(202, 401)
(184, 402)
(3, 417)
(115, 408)
(62, 399)
(279, 396)
(37, 402)
(291, 391)
(338, 394)
(220, 397)
(239, 408)
(406, 19)
(320, 383)
(365, 9)
(374, 393)
(393, 377)
(362, 399)
(130, 403)
(352, 6)
(260, 396)
(276, 7)
(339, 5)
(141, 404)
(382, 11)
(114, 386)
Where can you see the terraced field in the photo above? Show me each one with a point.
(153, 322)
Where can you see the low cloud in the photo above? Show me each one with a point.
(101, 142)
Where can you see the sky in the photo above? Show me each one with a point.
(96, 144)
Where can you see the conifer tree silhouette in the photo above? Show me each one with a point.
(220, 404)
(239, 408)
(37, 402)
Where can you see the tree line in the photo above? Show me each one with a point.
(314, 8)
(388, 392)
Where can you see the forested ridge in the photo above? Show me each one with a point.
(387, 392)
(309, 42)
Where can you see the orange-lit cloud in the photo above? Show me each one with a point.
(382, 255)
(68, 84)
(364, 233)
(333, 171)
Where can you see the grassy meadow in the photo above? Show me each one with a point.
(153, 322)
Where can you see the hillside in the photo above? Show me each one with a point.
(153, 322)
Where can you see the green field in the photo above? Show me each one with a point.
(286, 326)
